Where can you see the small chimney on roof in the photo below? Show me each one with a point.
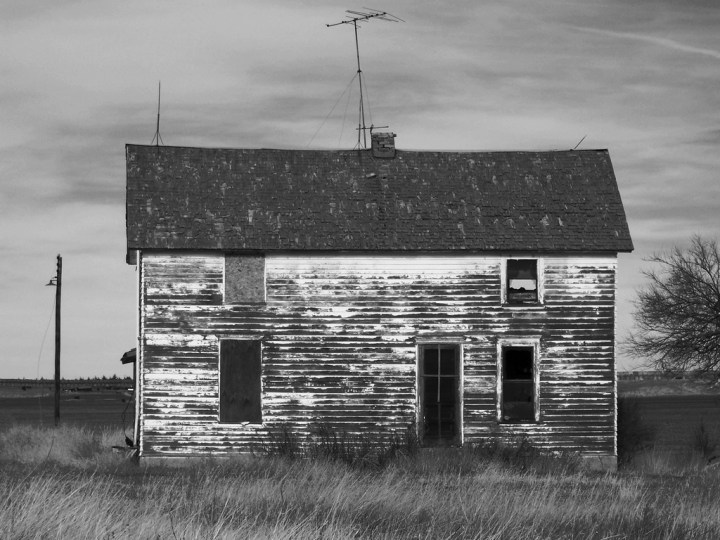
(383, 144)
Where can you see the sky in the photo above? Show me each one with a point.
(79, 80)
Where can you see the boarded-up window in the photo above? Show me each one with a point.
(244, 279)
(522, 281)
(240, 383)
(518, 384)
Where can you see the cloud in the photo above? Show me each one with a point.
(655, 40)
(80, 81)
(708, 137)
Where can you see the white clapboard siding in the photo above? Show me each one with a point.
(340, 335)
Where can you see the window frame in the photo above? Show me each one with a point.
(259, 383)
(519, 343)
(540, 282)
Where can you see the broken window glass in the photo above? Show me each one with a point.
(522, 281)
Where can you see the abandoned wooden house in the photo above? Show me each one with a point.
(458, 296)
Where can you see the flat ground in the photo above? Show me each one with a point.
(679, 415)
(668, 387)
(676, 411)
(92, 409)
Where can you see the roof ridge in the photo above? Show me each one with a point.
(368, 150)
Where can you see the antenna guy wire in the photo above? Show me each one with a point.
(331, 111)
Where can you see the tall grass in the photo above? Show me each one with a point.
(64, 445)
(462, 493)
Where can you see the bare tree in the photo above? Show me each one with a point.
(677, 314)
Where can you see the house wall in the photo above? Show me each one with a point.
(340, 335)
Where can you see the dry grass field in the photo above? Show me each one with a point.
(677, 415)
(67, 482)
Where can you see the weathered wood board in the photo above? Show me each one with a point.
(340, 336)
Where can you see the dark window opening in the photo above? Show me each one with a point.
(518, 384)
(522, 281)
(240, 383)
(440, 394)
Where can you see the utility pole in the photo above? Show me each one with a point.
(58, 297)
(57, 282)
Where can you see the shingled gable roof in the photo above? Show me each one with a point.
(224, 199)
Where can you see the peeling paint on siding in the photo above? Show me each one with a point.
(339, 339)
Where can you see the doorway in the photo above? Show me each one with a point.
(439, 394)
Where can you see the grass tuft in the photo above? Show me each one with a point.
(325, 443)
(64, 445)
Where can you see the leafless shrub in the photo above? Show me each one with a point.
(677, 314)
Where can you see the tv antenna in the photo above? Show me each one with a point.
(579, 143)
(157, 139)
(353, 17)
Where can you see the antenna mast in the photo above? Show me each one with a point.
(157, 139)
(352, 18)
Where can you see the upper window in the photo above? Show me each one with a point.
(240, 381)
(244, 279)
(521, 281)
